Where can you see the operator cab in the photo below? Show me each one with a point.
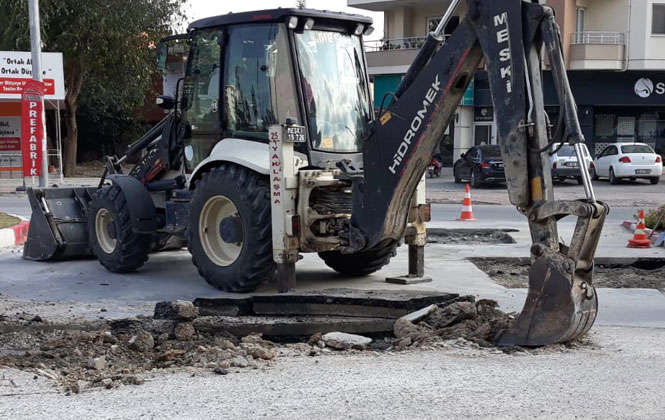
(247, 71)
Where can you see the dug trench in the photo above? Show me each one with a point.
(80, 355)
(612, 273)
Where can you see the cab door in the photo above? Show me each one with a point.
(201, 92)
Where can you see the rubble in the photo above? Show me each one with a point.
(184, 331)
(344, 341)
(179, 310)
(142, 341)
(97, 363)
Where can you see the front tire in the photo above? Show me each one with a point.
(112, 240)
(594, 175)
(230, 230)
(458, 180)
(361, 263)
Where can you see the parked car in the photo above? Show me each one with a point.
(564, 165)
(480, 164)
(628, 160)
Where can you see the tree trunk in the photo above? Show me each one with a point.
(74, 82)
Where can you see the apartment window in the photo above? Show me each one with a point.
(433, 22)
(658, 19)
(580, 15)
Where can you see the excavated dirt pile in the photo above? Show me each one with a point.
(477, 322)
(82, 355)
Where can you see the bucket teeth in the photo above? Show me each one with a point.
(558, 308)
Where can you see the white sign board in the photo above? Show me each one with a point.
(10, 134)
(16, 70)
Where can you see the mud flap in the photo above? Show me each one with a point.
(560, 305)
(58, 226)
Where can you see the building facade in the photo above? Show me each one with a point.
(614, 52)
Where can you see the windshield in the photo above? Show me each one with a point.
(568, 150)
(491, 152)
(636, 148)
(334, 86)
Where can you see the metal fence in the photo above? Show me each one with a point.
(599, 38)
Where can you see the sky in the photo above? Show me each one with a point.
(205, 8)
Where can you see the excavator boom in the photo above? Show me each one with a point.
(510, 35)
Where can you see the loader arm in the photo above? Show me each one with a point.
(509, 35)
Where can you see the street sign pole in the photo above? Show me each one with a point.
(36, 50)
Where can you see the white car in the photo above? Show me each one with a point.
(628, 160)
(563, 162)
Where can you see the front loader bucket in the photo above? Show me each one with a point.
(59, 224)
(559, 307)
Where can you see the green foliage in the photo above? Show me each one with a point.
(107, 47)
(652, 216)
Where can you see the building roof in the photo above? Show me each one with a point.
(278, 15)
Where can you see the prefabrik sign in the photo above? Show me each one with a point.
(32, 127)
(10, 134)
(16, 72)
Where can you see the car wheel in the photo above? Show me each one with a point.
(458, 180)
(594, 175)
(475, 180)
(654, 181)
(580, 181)
(613, 179)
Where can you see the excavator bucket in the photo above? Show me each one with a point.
(59, 224)
(559, 307)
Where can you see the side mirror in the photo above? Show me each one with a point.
(462, 155)
(165, 102)
(162, 53)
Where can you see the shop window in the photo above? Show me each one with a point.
(658, 19)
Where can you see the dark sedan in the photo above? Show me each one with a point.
(480, 164)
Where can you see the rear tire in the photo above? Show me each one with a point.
(226, 192)
(362, 263)
(613, 179)
(654, 181)
(112, 240)
(580, 181)
(475, 179)
(594, 175)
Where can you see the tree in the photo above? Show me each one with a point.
(107, 48)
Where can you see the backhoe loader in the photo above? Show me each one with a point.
(272, 149)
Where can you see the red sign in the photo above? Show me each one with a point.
(16, 86)
(10, 144)
(32, 127)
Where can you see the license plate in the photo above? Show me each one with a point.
(642, 171)
(499, 165)
(295, 134)
(572, 164)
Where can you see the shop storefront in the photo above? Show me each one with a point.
(612, 106)
(15, 72)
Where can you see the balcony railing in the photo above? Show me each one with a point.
(412, 43)
(599, 38)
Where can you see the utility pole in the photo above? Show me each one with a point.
(36, 50)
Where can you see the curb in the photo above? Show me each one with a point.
(14, 235)
(632, 225)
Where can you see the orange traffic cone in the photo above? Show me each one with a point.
(467, 210)
(639, 237)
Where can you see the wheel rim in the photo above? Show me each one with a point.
(216, 209)
(104, 221)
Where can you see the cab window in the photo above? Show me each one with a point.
(258, 81)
